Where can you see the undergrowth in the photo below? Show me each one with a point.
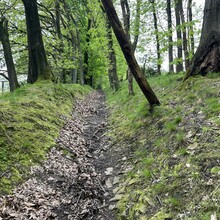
(177, 165)
(30, 120)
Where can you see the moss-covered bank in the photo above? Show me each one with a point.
(175, 149)
(30, 120)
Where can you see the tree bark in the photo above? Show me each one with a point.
(157, 38)
(190, 29)
(185, 41)
(170, 36)
(4, 38)
(112, 71)
(63, 73)
(137, 24)
(128, 53)
(88, 78)
(179, 65)
(38, 65)
(207, 56)
(70, 19)
(126, 20)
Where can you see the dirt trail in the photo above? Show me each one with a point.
(78, 177)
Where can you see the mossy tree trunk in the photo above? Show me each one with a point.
(4, 38)
(207, 56)
(127, 50)
(38, 66)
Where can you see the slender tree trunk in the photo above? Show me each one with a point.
(88, 78)
(57, 19)
(185, 41)
(191, 29)
(112, 71)
(170, 37)
(38, 65)
(207, 56)
(179, 65)
(82, 76)
(70, 19)
(126, 47)
(137, 24)
(126, 20)
(4, 38)
(157, 38)
(63, 77)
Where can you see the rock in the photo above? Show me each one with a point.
(109, 171)
(116, 198)
(112, 207)
(108, 183)
(116, 180)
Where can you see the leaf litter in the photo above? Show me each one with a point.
(67, 185)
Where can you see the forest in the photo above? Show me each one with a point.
(110, 109)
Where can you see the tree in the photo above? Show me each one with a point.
(179, 66)
(126, 13)
(190, 26)
(185, 41)
(4, 38)
(207, 56)
(157, 37)
(112, 70)
(170, 36)
(37, 66)
(128, 53)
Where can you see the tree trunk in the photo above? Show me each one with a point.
(88, 78)
(170, 36)
(81, 75)
(4, 38)
(70, 19)
(157, 38)
(185, 41)
(179, 65)
(128, 53)
(112, 71)
(63, 73)
(207, 56)
(38, 65)
(126, 20)
(137, 24)
(190, 29)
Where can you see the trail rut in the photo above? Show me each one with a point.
(77, 178)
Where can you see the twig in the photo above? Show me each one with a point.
(158, 199)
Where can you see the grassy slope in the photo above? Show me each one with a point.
(177, 155)
(30, 120)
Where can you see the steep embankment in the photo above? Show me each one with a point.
(173, 152)
(30, 120)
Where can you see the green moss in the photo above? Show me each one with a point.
(30, 120)
(176, 154)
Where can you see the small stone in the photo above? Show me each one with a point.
(106, 194)
(109, 171)
(112, 207)
(116, 198)
(108, 183)
(116, 180)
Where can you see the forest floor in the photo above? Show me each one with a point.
(78, 177)
(123, 161)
